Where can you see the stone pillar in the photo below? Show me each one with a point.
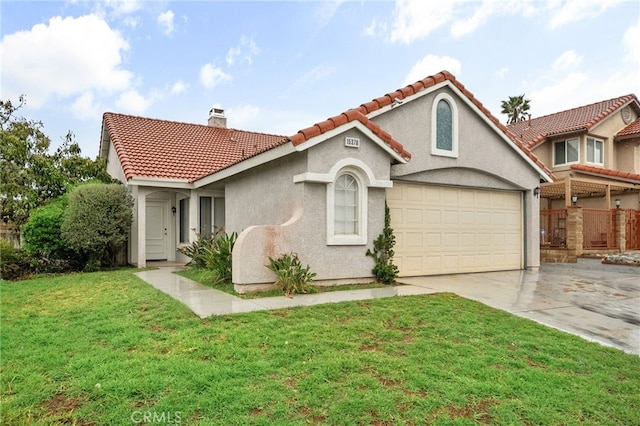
(574, 233)
(621, 229)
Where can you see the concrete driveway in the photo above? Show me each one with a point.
(598, 302)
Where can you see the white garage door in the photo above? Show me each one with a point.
(445, 230)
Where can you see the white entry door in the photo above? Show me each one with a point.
(157, 229)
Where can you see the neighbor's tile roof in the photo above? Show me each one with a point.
(401, 94)
(154, 148)
(606, 172)
(537, 130)
(633, 129)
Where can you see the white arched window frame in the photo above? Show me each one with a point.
(347, 209)
(441, 124)
(365, 179)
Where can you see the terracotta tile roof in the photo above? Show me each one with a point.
(632, 130)
(607, 172)
(535, 131)
(347, 117)
(152, 148)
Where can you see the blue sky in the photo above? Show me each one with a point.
(277, 67)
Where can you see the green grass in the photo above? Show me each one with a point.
(108, 349)
(203, 276)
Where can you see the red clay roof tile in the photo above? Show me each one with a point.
(632, 130)
(606, 172)
(152, 148)
(535, 131)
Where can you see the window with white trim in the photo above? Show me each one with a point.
(566, 152)
(444, 126)
(595, 151)
(345, 206)
(347, 209)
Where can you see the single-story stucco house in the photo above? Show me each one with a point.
(459, 186)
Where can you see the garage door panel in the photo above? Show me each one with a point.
(447, 230)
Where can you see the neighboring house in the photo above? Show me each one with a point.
(460, 188)
(593, 150)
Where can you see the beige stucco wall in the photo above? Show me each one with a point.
(628, 155)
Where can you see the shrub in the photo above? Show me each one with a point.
(384, 270)
(43, 241)
(213, 252)
(97, 221)
(14, 262)
(218, 257)
(292, 278)
(197, 250)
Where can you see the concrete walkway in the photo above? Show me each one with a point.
(598, 302)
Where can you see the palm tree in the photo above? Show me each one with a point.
(516, 108)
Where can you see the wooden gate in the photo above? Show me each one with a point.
(598, 229)
(633, 229)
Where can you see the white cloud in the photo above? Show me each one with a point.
(242, 116)
(131, 22)
(502, 73)
(179, 87)
(246, 50)
(565, 93)
(133, 102)
(211, 76)
(66, 57)
(432, 64)
(123, 7)
(165, 20)
(631, 43)
(372, 29)
(466, 26)
(326, 10)
(562, 13)
(85, 107)
(416, 19)
(568, 61)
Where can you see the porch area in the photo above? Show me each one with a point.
(575, 231)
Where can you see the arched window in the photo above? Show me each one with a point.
(444, 126)
(346, 205)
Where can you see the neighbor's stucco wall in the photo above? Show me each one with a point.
(628, 155)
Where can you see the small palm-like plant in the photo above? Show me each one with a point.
(292, 278)
(516, 108)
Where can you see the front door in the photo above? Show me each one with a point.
(156, 229)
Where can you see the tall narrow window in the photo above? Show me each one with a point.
(346, 205)
(218, 213)
(206, 223)
(444, 126)
(595, 151)
(184, 220)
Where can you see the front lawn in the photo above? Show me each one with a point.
(108, 349)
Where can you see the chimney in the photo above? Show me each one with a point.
(217, 118)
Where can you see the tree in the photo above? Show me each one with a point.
(29, 174)
(97, 221)
(516, 108)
